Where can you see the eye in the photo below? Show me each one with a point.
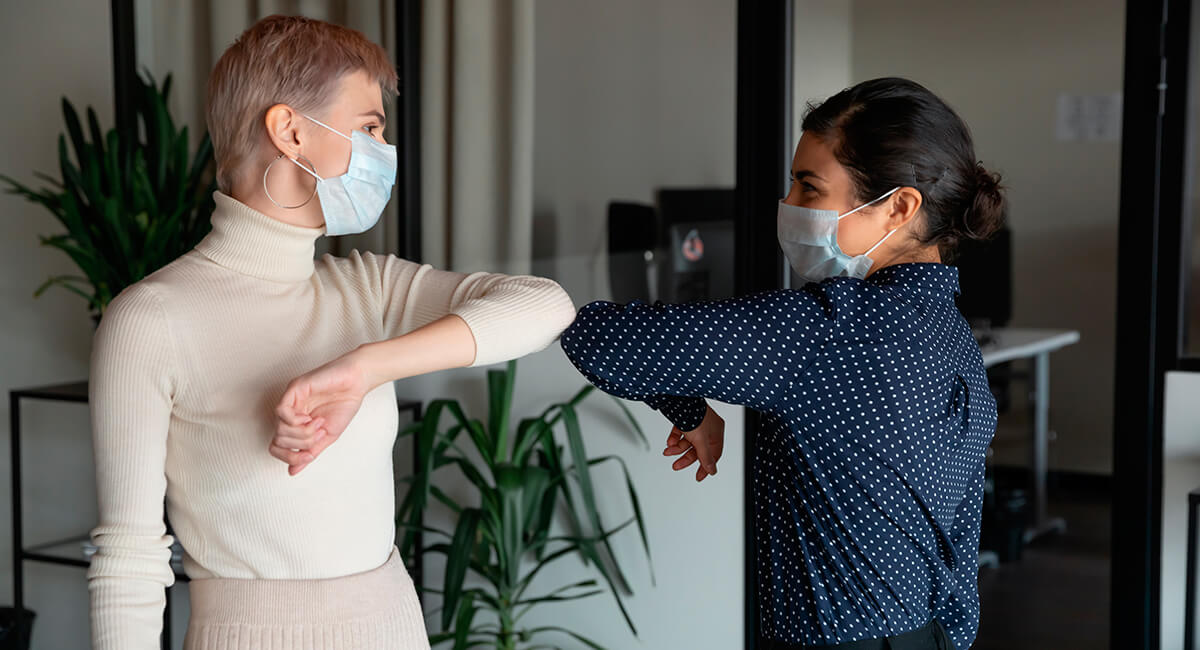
(371, 128)
(807, 187)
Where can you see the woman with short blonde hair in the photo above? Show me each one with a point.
(249, 386)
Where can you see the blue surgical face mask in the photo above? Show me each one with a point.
(808, 238)
(353, 201)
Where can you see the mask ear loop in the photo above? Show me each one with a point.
(311, 172)
(870, 203)
(890, 232)
(880, 242)
(313, 119)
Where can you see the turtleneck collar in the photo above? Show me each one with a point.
(249, 242)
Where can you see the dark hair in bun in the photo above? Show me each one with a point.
(894, 132)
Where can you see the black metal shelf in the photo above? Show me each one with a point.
(1189, 607)
(70, 551)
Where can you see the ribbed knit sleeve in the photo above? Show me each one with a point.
(132, 386)
(509, 315)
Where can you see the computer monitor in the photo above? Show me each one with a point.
(632, 239)
(985, 280)
(698, 235)
(985, 300)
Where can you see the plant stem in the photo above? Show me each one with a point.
(508, 636)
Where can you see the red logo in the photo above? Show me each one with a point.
(693, 246)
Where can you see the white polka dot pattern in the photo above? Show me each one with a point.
(868, 469)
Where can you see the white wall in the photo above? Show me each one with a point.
(631, 96)
(51, 48)
(822, 36)
(1002, 66)
(1181, 474)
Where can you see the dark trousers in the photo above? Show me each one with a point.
(931, 637)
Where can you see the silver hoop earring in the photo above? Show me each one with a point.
(268, 192)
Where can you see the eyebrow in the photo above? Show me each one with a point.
(375, 114)
(801, 174)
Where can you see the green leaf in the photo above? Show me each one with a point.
(446, 440)
(584, 476)
(70, 173)
(97, 138)
(500, 393)
(540, 525)
(560, 598)
(573, 402)
(201, 159)
(65, 281)
(475, 429)
(637, 507)
(458, 560)
(413, 507)
(466, 614)
(633, 423)
(551, 454)
(426, 529)
(445, 499)
(74, 130)
(576, 539)
(558, 594)
(94, 269)
(573, 544)
(482, 569)
(528, 432)
(112, 219)
(520, 489)
(46, 178)
(554, 628)
(473, 475)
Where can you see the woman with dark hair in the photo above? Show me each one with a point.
(868, 468)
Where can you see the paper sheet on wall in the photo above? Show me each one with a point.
(1088, 118)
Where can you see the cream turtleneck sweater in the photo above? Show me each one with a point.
(187, 368)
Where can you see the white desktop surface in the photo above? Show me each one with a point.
(1010, 343)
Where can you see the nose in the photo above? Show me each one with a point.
(793, 195)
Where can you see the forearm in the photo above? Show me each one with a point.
(443, 344)
(741, 351)
(508, 316)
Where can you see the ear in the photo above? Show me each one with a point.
(903, 206)
(283, 129)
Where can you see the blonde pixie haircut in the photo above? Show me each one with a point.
(281, 60)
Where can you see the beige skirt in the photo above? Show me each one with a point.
(376, 610)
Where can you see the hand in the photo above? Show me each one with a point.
(316, 408)
(704, 443)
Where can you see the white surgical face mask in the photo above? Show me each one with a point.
(808, 238)
(353, 201)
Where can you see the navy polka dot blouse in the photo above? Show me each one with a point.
(868, 469)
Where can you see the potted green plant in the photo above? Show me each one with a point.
(129, 206)
(521, 477)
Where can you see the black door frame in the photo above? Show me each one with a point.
(408, 133)
(1149, 305)
(764, 90)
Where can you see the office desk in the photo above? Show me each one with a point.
(1010, 344)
